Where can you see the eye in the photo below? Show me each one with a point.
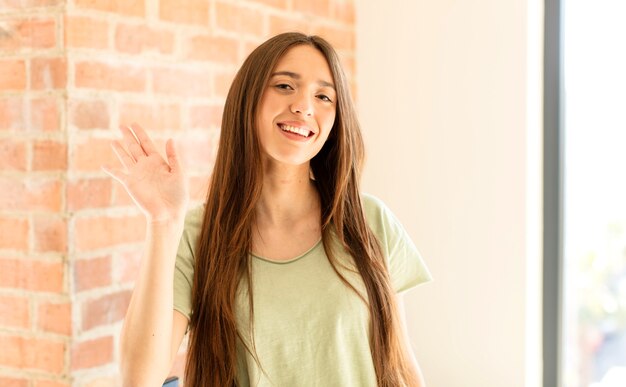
(324, 98)
(283, 86)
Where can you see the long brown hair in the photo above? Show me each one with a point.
(222, 258)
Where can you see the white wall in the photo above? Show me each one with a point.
(449, 100)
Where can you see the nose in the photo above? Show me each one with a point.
(302, 104)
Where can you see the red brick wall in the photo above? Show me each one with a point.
(71, 72)
(35, 296)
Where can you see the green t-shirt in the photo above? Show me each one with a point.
(310, 329)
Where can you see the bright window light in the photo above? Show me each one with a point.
(594, 315)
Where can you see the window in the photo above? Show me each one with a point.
(585, 182)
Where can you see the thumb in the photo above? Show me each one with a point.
(172, 156)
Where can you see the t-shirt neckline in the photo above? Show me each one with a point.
(290, 260)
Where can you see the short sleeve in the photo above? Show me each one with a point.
(185, 258)
(406, 266)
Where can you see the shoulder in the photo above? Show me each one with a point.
(185, 256)
(378, 215)
(192, 230)
(372, 205)
(185, 259)
(384, 224)
(405, 264)
(195, 217)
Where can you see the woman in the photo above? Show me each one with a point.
(287, 276)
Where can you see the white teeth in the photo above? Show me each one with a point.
(301, 131)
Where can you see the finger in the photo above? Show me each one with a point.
(172, 157)
(117, 174)
(136, 151)
(126, 160)
(144, 140)
(132, 143)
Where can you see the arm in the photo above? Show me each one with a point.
(152, 330)
(417, 373)
(151, 333)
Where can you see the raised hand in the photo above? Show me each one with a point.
(158, 186)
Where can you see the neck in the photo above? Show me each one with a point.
(288, 195)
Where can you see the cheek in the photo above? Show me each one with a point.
(328, 119)
(264, 110)
(264, 123)
(330, 122)
(328, 127)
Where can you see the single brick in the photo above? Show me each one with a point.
(105, 310)
(14, 233)
(92, 273)
(13, 155)
(122, 7)
(89, 114)
(86, 32)
(185, 11)
(32, 353)
(89, 193)
(48, 73)
(92, 353)
(55, 317)
(14, 312)
(27, 274)
(49, 155)
(50, 234)
(12, 75)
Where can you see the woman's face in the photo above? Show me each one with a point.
(297, 108)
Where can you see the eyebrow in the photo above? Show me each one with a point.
(297, 76)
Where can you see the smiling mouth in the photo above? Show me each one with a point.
(299, 131)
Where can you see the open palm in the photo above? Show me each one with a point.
(158, 186)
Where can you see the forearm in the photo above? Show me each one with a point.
(147, 331)
(415, 368)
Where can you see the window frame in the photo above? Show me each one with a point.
(553, 203)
